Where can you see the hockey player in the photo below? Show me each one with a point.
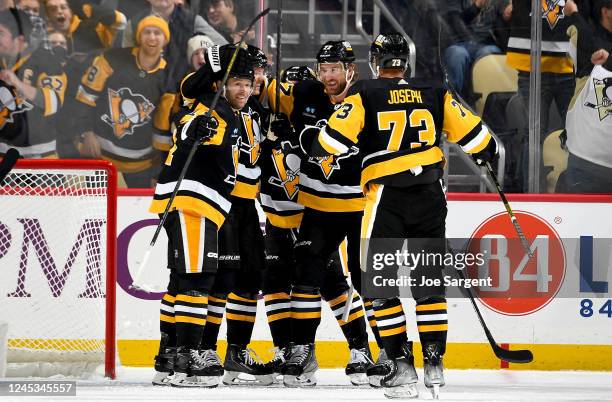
(32, 86)
(201, 205)
(333, 201)
(397, 126)
(126, 114)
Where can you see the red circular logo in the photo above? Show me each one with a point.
(519, 285)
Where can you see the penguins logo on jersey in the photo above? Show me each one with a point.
(11, 105)
(127, 111)
(287, 168)
(231, 179)
(331, 163)
(253, 136)
(552, 11)
(603, 93)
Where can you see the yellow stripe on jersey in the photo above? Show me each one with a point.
(190, 320)
(245, 190)
(388, 311)
(279, 316)
(432, 328)
(193, 231)
(53, 88)
(286, 97)
(392, 331)
(331, 204)
(239, 317)
(276, 296)
(285, 222)
(430, 307)
(550, 64)
(186, 203)
(399, 164)
(458, 121)
(96, 75)
(199, 110)
(348, 119)
(191, 299)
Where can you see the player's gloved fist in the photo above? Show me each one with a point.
(205, 128)
(280, 126)
(488, 155)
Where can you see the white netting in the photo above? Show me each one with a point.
(53, 226)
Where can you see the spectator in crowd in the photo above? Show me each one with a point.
(472, 23)
(589, 118)
(86, 26)
(39, 26)
(6, 4)
(32, 88)
(183, 24)
(221, 14)
(59, 47)
(126, 116)
(130, 8)
(196, 50)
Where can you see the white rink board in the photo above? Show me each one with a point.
(138, 319)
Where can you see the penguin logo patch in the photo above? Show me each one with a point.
(603, 94)
(127, 111)
(552, 11)
(287, 168)
(11, 104)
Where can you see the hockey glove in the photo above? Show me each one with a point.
(488, 155)
(281, 127)
(205, 127)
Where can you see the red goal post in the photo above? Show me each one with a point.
(53, 315)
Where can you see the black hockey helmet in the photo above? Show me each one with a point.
(258, 56)
(389, 51)
(298, 73)
(243, 65)
(335, 51)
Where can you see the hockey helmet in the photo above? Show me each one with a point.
(258, 56)
(298, 73)
(389, 51)
(243, 65)
(336, 51)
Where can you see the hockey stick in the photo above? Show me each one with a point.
(10, 158)
(192, 151)
(502, 195)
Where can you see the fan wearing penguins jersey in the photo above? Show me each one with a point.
(125, 116)
(333, 203)
(398, 126)
(198, 211)
(32, 86)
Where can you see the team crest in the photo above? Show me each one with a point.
(11, 105)
(252, 145)
(603, 94)
(127, 111)
(287, 168)
(552, 11)
(331, 163)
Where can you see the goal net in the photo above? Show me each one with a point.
(57, 267)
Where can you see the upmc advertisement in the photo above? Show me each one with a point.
(556, 302)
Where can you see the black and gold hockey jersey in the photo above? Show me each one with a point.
(329, 184)
(251, 137)
(555, 41)
(398, 127)
(211, 176)
(29, 125)
(129, 109)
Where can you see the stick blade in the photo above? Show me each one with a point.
(514, 356)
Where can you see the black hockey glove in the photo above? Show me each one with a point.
(204, 128)
(488, 154)
(281, 127)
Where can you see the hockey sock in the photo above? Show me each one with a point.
(278, 310)
(216, 308)
(391, 323)
(240, 318)
(354, 329)
(166, 319)
(190, 315)
(367, 303)
(305, 314)
(432, 320)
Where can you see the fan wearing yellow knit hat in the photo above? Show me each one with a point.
(125, 108)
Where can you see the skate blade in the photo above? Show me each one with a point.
(375, 380)
(243, 379)
(161, 379)
(435, 391)
(182, 381)
(359, 379)
(407, 391)
(308, 380)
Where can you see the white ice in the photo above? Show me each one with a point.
(133, 384)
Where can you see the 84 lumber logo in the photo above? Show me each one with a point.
(521, 285)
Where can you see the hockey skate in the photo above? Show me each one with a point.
(433, 368)
(376, 372)
(164, 362)
(361, 360)
(242, 369)
(401, 381)
(193, 368)
(300, 370)
(281, 356)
